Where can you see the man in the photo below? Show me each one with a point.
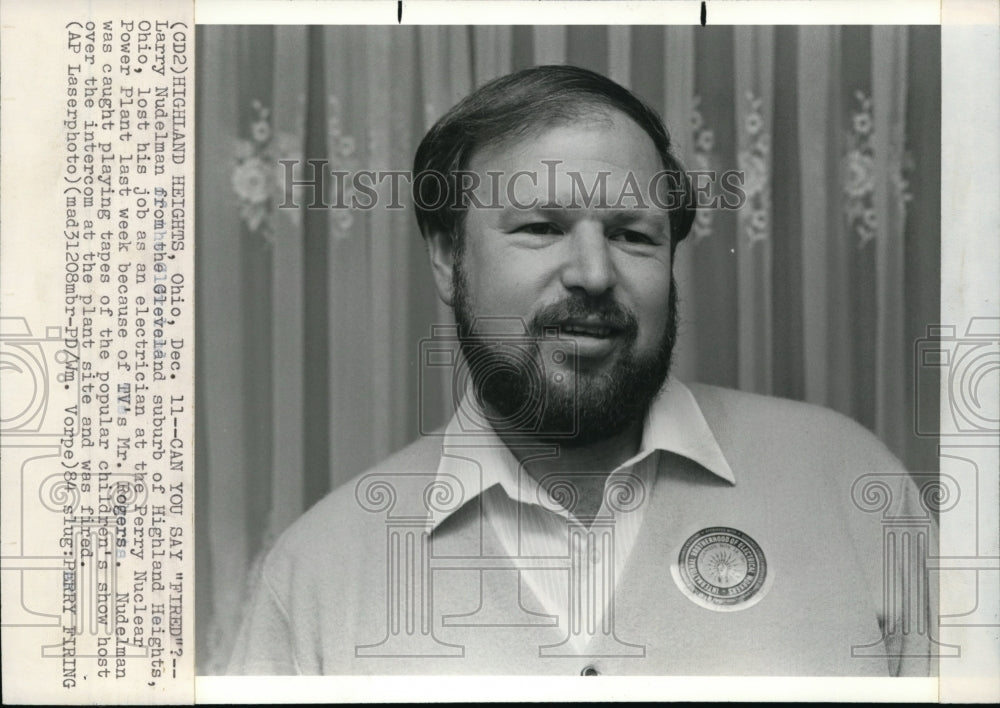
(584, 512)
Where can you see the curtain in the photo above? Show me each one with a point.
(310, 319)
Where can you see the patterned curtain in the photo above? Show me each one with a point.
(309, 320)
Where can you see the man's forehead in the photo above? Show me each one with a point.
(598, 139)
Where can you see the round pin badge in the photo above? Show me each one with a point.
(722, 569)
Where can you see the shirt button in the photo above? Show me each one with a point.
(589, 671)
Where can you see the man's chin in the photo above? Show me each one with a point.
(585, 415)
(586, 400)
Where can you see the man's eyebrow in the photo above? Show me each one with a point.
(625, 217)
(617, 215)
(613, 216)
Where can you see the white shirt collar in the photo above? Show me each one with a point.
(480, 460)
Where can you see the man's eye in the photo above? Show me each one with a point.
(631, 237)
(540, 229)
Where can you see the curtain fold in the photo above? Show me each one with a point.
(889, 69)
(349, 328)
(492, 49)
(310, 318)
(620, 55)
(379, 238)
(220, 314)
(753, 57)
(549, 44)
(815, 64)
(288, 122)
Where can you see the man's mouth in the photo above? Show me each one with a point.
(593, 338)
(587, 330)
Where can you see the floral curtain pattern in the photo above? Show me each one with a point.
(310, 319)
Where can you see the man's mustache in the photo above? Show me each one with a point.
(602, 309)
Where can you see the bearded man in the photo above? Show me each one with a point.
(584, 512)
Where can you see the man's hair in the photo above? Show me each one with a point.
(515, 105)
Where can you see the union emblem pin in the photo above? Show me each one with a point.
(721, 569)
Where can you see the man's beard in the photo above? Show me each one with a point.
(513, 388)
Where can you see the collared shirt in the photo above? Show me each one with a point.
(535, 522)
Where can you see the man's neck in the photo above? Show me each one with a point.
(585, 467)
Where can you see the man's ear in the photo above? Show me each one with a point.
(441, 250)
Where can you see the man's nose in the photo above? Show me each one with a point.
(589, 265)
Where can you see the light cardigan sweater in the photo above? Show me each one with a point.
(322, 605)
